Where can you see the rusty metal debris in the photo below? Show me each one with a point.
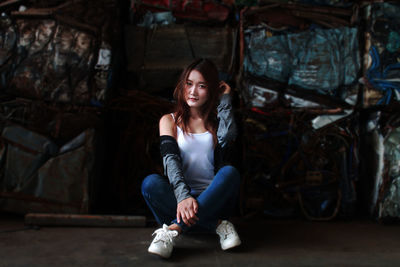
(56, 53)
(331, 17)
(37, 174)
(55, 78)
(300, 145)
(381, 70)
(313, 169)
(384, 166)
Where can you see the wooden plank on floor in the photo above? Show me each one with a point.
(43, 219)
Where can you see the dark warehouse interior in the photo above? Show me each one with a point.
(315, 94)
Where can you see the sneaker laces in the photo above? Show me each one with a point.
(226, 229)
(165, 235)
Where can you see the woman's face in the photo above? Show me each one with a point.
(196, 90)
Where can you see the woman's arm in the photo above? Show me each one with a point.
(187, 205)
(167, 126)
(227, 130)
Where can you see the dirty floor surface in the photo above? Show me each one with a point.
(265, 243)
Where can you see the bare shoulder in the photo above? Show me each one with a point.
(167, 120)
(167, 125)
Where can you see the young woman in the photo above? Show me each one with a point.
(200, 191)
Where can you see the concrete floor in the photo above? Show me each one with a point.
(265, 243)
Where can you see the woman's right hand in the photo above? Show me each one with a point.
(186, 211)
(224, 87)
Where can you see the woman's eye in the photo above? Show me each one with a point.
(188, 83)
(203, 86)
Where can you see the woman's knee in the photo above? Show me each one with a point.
(230, 174)
(150, 183)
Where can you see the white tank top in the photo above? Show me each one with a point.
(197, 153)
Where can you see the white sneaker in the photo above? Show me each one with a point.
(163, 243)
(228, 236)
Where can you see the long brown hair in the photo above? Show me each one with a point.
(209, 110)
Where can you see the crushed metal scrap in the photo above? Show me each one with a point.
(385, 140)
(43, 176)
(300, 130)
(62, 53)
(287, 159)
(56, 65)
(49, 157)
(381, 67)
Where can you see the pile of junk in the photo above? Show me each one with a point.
(320, 91)
(56, 66)
(315, 88)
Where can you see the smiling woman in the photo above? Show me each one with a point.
(199, 79)
(200, 192)
(196, 90)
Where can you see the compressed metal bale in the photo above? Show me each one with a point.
(389, 201)
(389, 207)
(328, 59)
(8, 39)
(24, 153)
(285, 160)
(57, 65)
(382, 62)
(65, 178)
(55, 59)
(319, 60)
(267, 56)
(42, 177)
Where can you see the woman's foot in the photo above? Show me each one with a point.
(163, 243)
(228, 236)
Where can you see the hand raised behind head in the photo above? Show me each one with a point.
(224, 87)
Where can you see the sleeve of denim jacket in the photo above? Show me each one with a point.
(227, 130)
(173, 167)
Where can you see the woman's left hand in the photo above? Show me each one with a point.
(224, 87)
(186, 210)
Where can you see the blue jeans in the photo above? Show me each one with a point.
(216, 202)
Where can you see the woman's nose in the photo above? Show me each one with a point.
(192, 89)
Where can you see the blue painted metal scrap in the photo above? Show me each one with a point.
(384, 71)
(23, 155)
(319, 59)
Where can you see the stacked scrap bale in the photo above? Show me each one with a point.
(299, 83)
(381, 100)
(56, 65)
